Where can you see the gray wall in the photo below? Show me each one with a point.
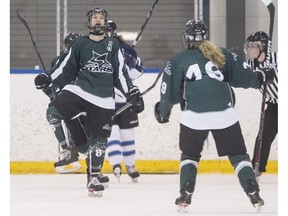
(161, 38)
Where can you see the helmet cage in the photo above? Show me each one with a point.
(97, 29)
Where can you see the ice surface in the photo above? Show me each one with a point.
(153, 195)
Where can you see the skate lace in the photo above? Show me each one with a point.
(94, 181)
(65, 154)
(131, 169)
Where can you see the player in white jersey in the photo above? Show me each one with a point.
(121, 144)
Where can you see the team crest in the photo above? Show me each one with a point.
(99, 64)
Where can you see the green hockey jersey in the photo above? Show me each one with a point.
(204, 90)
(94, 68)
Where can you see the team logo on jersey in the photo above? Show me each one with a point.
(99, 64)
(107, 127)
(234, 56)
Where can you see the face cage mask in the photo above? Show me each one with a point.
(97, 29)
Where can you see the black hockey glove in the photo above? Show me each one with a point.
(134, 95)
(266, 75)
(42, 80)
(158, 116)
(139, 106)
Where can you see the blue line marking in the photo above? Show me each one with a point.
(33, 71)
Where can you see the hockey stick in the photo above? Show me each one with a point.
(128, 104)
(258, 144)
(21, 18)
(144, 25)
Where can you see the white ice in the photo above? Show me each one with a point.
(153, 195)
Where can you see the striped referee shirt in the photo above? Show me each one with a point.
(272, 89)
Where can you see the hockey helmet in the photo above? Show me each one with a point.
(259, 39)
(97, 29)
(194, 32)
(71, 36)
(111, 28)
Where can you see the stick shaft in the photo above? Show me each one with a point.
(258, 144)
(24, 22)
(145, 23)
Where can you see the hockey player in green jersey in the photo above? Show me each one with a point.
(200, 78)
(95, 64)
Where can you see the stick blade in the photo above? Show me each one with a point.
(19, 15)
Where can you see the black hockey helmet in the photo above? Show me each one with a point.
(98, 30)
(194, 32)
(111, 28)
(259, 39)
(71, 36)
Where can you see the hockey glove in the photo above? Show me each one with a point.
(134, 95)
(266, 75)
(139, 106)
(42, 80)
(158, 116)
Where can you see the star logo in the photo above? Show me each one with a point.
(99, 63)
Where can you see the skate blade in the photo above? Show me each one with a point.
(117, 173)
(92, 193)
(68, 168)
(118, 177)
(183, 208)
(135, 180)
(258, 207)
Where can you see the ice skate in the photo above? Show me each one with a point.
(68, 162)
(95, 188)
(104, 180)
(256, 200)
(117, 170)
(133, 173)
(183, 201)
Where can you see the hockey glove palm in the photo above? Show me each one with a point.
(158, 116)
(42, 80)
(266, 75)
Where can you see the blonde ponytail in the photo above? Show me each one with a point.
(213, 53)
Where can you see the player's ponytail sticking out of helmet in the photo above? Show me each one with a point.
(257, 39)
(195, 35)
(96, 29)
(111, 28)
